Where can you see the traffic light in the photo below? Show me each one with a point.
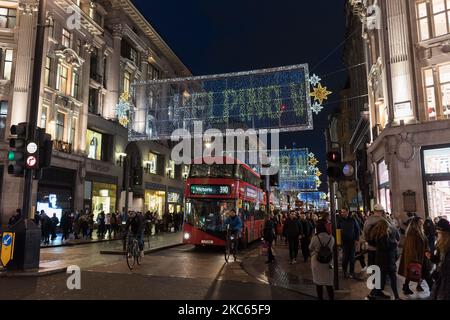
(45, 148)
(334, 170)
(338, 170)
(17, 152)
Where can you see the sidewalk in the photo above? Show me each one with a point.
(56, 259)
(157, 242)
(95, 239)
(298, 277)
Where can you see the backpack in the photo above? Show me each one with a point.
(325, 254)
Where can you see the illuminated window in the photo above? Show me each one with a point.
(75, 84)
(434, 109)
(60, 120)
(51, 28)
(44, 118)
(48, 70)
(94, 144)
(384, 192)
(62, 76)
(171, 169)
(73, 131)
(126, 82)
(422, 13)
(430, 95)
(433, 18)
(66, 38)
(7, 64)
(8, 18)
(151, 164)
(3, 116)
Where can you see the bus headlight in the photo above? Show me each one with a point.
(187, 236)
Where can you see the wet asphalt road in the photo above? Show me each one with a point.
(180, 273)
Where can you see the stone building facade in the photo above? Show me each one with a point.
(408, 66)
(94, 51)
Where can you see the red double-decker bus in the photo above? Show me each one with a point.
(212, 191)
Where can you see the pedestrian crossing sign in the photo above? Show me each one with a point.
(7, 245)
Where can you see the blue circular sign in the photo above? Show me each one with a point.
(7, 240)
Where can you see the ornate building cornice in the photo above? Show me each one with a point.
(117, 30)
(28, 7)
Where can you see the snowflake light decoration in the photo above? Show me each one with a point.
(314, 80)
(316, 107)
(313, 161)
(318, 94)
(123, 108)
(311, 155)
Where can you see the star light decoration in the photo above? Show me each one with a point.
(314, 80)
(123, 108)
(318, 94)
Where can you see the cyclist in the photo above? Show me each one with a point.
(135, 223)
(235, 224)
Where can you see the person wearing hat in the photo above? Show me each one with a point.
(441, 289)
(371, 222)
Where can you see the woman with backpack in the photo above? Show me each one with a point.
(413, 257)
(321, 249)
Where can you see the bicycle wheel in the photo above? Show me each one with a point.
(234, 250)
(131, 261)
(227, 251)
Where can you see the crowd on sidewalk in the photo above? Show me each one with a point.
(82, 225)
(372, 239)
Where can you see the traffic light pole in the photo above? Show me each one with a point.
(34, 101)
(334, 224)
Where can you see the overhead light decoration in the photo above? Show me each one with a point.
(319, 94)
(123, 109)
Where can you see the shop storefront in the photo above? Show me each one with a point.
(56, 191)
(175, 201)
(384, 190)
(436, 177)
(100, 197)
(155, 198)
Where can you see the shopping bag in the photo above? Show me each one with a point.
(264, 248)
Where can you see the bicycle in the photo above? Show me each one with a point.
(132, 251)
(231, 244)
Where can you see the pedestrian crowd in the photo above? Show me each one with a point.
(82, 225)
(415, 248)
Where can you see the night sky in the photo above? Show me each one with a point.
(220, 36)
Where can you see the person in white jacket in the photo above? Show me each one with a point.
(323, 274)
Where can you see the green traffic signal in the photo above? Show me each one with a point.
(11, 156)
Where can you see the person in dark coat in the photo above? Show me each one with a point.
(54, 225)
(441, 289)
(46, 227)
(269, 237)
(101, 225)
(430, 232)
(37, 218)
(293, 230)
(350, 236)
(65, 223)
(306, 238)
(386, 241)
(15, 218)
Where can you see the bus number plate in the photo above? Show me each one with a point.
(207, 241)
